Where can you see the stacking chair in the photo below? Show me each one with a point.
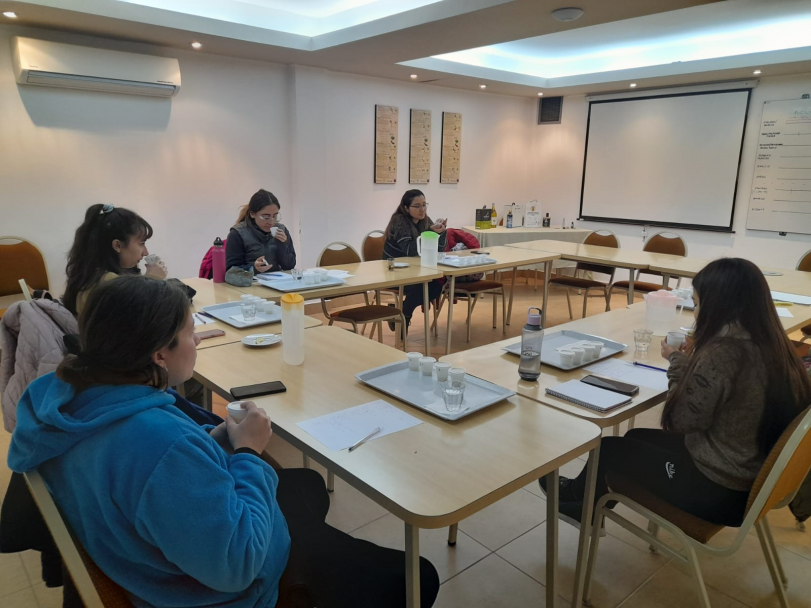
(20, 260)
(470, 292)
(96, 589)
(338, 253)
(805, 266)
(603, 238)
(372, 246)
(669, 243)
(775, 486)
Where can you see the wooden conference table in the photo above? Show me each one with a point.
(366, 276)
(431, 475)
(208, 293)
(506, 257)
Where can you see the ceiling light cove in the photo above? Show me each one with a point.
(303, 17)
(709, 32)
(10, 15)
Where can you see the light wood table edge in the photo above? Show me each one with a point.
(423, 521)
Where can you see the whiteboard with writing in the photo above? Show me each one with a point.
(781, 185)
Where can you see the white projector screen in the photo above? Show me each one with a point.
(669, 160)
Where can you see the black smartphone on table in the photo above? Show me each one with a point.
(609, 384)
(257, 390)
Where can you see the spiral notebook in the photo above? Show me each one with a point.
(585, 395)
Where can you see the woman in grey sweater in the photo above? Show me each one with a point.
(732, 392)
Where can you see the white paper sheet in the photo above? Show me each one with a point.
(628, 372)
(782, 296)
(340, 430)
(784, 312)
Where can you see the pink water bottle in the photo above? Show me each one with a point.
(218, 261)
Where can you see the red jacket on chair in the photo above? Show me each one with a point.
(206, 266)
(460, 236)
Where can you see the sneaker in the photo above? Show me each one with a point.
(566, 491)
(571, 512)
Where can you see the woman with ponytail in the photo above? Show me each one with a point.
(258, 240)
(177, 512)
(731, 395)
(110, 242)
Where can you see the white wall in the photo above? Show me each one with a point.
(188, 163)
(185, 164)
(335, 135)
(559, 150)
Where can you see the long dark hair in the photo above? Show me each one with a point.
(123, 324)
(402, 214)
(260, 200)
(733, 291)
(92, 254)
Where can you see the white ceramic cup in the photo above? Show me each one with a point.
(427, 365)
(236, 412)
(273, 231)
(321, 274)
(577, 355)
(442, 370)
(675, 338)
(598, 349)
(309, 277)
(566, 357)
(456, 374)
(270, 307)
(414, 361)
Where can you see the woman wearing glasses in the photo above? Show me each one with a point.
(258, 240)
(406, 224)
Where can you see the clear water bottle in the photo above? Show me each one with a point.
(531, 343)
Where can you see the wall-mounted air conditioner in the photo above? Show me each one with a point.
(53, 64)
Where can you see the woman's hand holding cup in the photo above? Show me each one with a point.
(253, 432)
(280, 235)
(668, 350)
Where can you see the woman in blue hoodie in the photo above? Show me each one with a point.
(176, 513)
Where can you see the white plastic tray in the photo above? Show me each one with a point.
(425, 392)
(223, 312)
(291, 284)
(561, 339)
(455, 263)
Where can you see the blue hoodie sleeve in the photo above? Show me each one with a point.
(212, 517)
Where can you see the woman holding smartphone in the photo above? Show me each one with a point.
(179, 512)
(732, 392)
(406, 224)
(258, 240)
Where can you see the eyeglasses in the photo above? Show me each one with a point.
(266, 218)
(418, 207)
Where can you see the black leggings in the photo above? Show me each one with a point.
(338, 570)
(413, 296)
(660, 462)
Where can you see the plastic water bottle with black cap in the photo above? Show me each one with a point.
(531, 344)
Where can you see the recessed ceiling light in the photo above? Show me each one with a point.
(10, 15)
(633, 84)
(540, 94)
(756, 72)
(567, 14)
(482, 86)
(413, 77)
(196, 45)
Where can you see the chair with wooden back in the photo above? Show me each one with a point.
(602, 238)
(668, 243)
(804, 265)
(372, 246)
(780, 477)
(20, 260)
(96, 589)
(336, 254)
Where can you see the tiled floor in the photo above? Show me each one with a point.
(499, 557)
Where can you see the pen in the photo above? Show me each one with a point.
(658, 369)
(776, 303)
(360, 442)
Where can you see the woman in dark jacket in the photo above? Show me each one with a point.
(406, 224)
(258, 240)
